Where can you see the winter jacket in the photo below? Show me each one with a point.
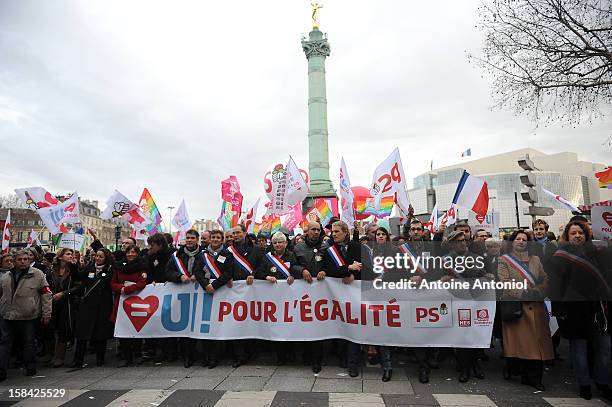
(95, 305)
(268, 269)
(25, 299)
(134, 272)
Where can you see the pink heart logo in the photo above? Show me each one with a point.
(140, 310)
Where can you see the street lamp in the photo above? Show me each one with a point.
(117, 236)
(170, 218)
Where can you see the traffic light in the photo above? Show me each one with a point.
(530, 195)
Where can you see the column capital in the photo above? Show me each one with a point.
(316, 46)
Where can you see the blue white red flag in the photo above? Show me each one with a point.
(472, 193)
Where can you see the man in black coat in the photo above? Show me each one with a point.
(182, 269)
(212, 277)
(244, 263)
(157, 259)
(309, 254)
(343, 260)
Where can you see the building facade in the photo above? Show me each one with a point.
(560, 173)
(23, 221)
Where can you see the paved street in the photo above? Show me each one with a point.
(264, 384)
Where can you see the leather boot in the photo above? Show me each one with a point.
(60, 352)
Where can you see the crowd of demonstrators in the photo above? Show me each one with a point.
(54, 300)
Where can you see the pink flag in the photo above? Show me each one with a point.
(293, 218)
(230, 192)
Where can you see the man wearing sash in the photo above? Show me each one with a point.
(309, 254)
(215, 274)
(467, 358)
(245, 261)
(181, 269)
(281, 264)
(417, 247)
(342, 259)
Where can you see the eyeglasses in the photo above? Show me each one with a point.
(315, 229)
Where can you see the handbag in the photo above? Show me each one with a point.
(511, 310)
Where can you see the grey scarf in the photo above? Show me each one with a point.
(191, 255)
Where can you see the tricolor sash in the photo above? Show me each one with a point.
(405, 249)
(279, 264)
(212, 266)
(585, 264)
(519, 267)
(336, 256)
(180, 266)
(244, 265)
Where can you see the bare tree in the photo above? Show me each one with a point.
(550, 59)
(10, 201)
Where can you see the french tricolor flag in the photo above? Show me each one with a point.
(472, 193)
(467, 153)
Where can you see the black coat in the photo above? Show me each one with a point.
(96, 304)
(580, 300)
(310, 255)
(63, 311)
(268, 269)
(353, 254)
(223, 263)
(251, 254)
(173, 274)
(156, 266)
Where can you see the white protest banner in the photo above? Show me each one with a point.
(65, 212)
(301, 311)
(601, 218)
(489, 222)
(181, 218)
(71, 241)
(297, 189)
(118, 205)
(6, 233)
(346, 193)
(389, 180)
(36, 197)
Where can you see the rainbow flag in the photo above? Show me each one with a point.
(325, 212)
(276, 225)
(360, 205)
(605, 178)
(256, 228)
(147, 204)
(225, 217)
(386, 205)
(269, 225)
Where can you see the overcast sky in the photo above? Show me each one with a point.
(176, 96)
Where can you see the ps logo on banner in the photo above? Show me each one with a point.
(431, 315)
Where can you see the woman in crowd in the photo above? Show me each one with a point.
(526, 338)
(383, 248)
(63, 283)
(95, 307)
(580, 284)
(129, 276)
